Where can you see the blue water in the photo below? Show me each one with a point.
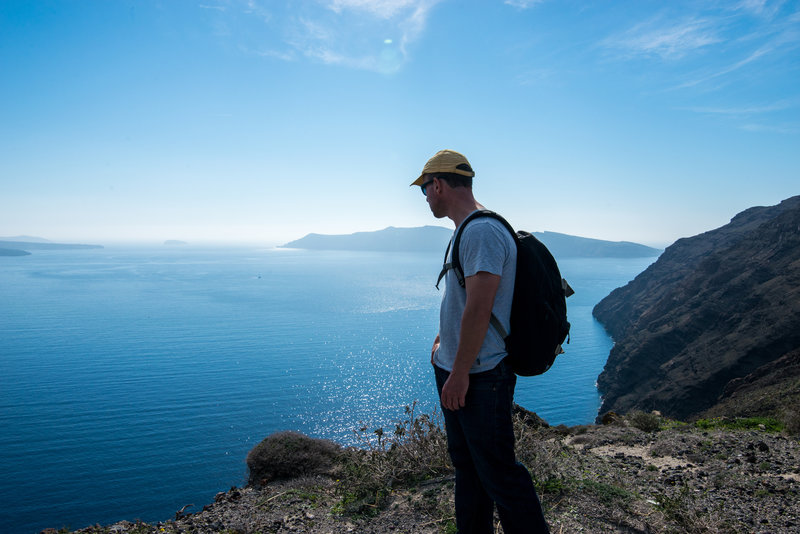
(134, 381)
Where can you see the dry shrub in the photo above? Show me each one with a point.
(288, 455)
(693, 517)
(791, 421)
(415, 450)
(540, 455)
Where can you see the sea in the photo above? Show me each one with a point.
(134, 380)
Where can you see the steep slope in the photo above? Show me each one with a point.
(714, 308)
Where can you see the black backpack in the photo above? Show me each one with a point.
(539, 323)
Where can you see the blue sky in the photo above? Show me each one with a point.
(247, 120)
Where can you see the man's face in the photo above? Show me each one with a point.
(431, 188)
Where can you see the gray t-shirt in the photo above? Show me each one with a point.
(486, 245)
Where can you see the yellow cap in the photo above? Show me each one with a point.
(446, 161)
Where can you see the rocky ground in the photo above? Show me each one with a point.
(592, 479)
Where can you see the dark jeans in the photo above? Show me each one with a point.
(480, 439)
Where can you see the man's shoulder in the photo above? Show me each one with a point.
(488, 235)
(486, 227)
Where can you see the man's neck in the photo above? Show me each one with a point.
(462, 209)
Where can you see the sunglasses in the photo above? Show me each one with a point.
(425, 186)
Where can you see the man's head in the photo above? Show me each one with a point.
(447, 165)
(446, 182)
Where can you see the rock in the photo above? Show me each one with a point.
(611, 418)
(529, 418)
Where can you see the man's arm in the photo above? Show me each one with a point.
(481, 290)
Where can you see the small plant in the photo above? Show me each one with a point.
(607, 493)
(551, 485)
(791, 421)
(449, 527)
(542, 457)
(764, 424)
(646, 422)
(415, 450)
(691, 517)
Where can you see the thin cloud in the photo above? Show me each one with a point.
(672, 40)
(778, 41)
(253, 8)
(770, 128)
(763, 8)
(373, 35)
(742, 111)
(523, 4)
(536, 77)
(363, 34)
(754, 56)
(384, 9)
(716, 37)
(749, 43)
(275, 54)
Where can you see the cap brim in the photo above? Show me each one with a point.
(418, 181)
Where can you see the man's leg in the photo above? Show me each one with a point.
(485, 422)
(474, 507)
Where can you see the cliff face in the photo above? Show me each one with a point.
(714, 309)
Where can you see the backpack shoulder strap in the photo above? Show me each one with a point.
(455, 262)
(446, 265)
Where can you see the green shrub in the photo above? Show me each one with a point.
(766, 424)
(287, 455)
(607, 494)
(646, 422)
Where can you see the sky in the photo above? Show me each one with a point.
(262, 121)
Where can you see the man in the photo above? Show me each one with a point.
(476, 387)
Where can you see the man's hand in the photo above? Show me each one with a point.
(454, 391)
(435, 347)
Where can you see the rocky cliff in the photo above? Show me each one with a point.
(711, 318)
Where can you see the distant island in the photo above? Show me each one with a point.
(435, 238)
(174, 242)
(391, 239)
(13, 252)
(19, 246)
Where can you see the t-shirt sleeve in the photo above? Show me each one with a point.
(482, 248)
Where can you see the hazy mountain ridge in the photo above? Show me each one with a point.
(708, 320)
(26, 239)
(41, 244)
(391, 239)
(435, 238)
